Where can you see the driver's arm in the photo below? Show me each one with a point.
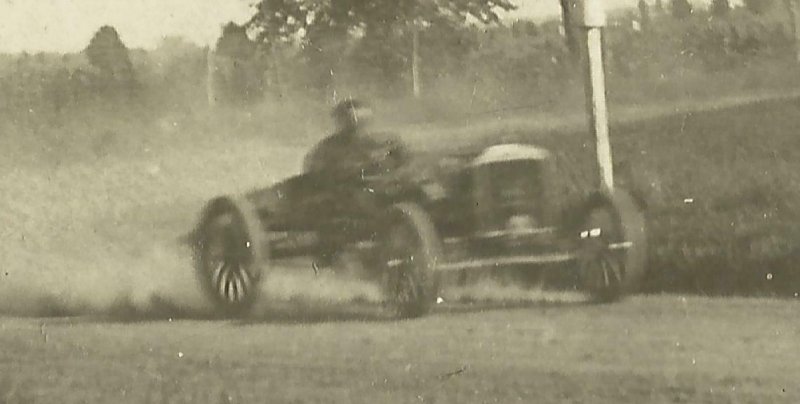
(353, 164)
(387, 156)
(335, 165)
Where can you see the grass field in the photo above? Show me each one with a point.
(664, 349)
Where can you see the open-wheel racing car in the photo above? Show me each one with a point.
(488, 210)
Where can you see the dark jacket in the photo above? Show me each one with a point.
(344, 156)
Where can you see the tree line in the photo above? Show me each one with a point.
(351, 45)
(321, 48)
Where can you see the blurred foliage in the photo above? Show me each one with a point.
(290, 20)
(492, 66)
(238, 66)
(113, 72)
(369, 38)
(681, 9)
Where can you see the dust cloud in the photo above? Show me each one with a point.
(160, 284)
(156, 280)
(99, 236)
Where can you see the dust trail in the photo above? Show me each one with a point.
(100, 238)
(161, 284)
(492, 291)
(301, 283)
(153, 285)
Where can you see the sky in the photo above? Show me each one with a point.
(67, 25)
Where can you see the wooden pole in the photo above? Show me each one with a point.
(794, 15)
(210, 88)
(594, 20)
(276, 66)
(415, 62)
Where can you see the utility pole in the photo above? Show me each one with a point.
(415, 61)
(794, 14)
(210, 67)
(593, 20)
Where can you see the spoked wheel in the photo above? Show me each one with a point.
(601, 267)
(409, 252)
(229, 255)
(612, 251)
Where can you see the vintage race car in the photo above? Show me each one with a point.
(487, 210)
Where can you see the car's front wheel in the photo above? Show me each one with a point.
(409, 250)
(229, 254)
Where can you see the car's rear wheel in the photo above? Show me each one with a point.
(229, 254)
(409, 251)
(612, 250)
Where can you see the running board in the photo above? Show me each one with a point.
(504, 261)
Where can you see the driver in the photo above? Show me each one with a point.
(351, 151)
(343, 160)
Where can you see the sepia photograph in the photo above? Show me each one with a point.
(399, 201)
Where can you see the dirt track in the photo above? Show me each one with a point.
(657, 349)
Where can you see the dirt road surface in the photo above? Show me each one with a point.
(666, 349)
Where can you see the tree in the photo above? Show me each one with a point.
(234, 42)
(178, 69)
(720, 8)
(287, 19)
(111, 59)
(380, 30)
(571, 32)
(239, 70)
(644, 14)
(681, 9)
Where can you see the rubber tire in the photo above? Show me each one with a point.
(627, 224)
(633, 224)
(424, 277)
(245, 225)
